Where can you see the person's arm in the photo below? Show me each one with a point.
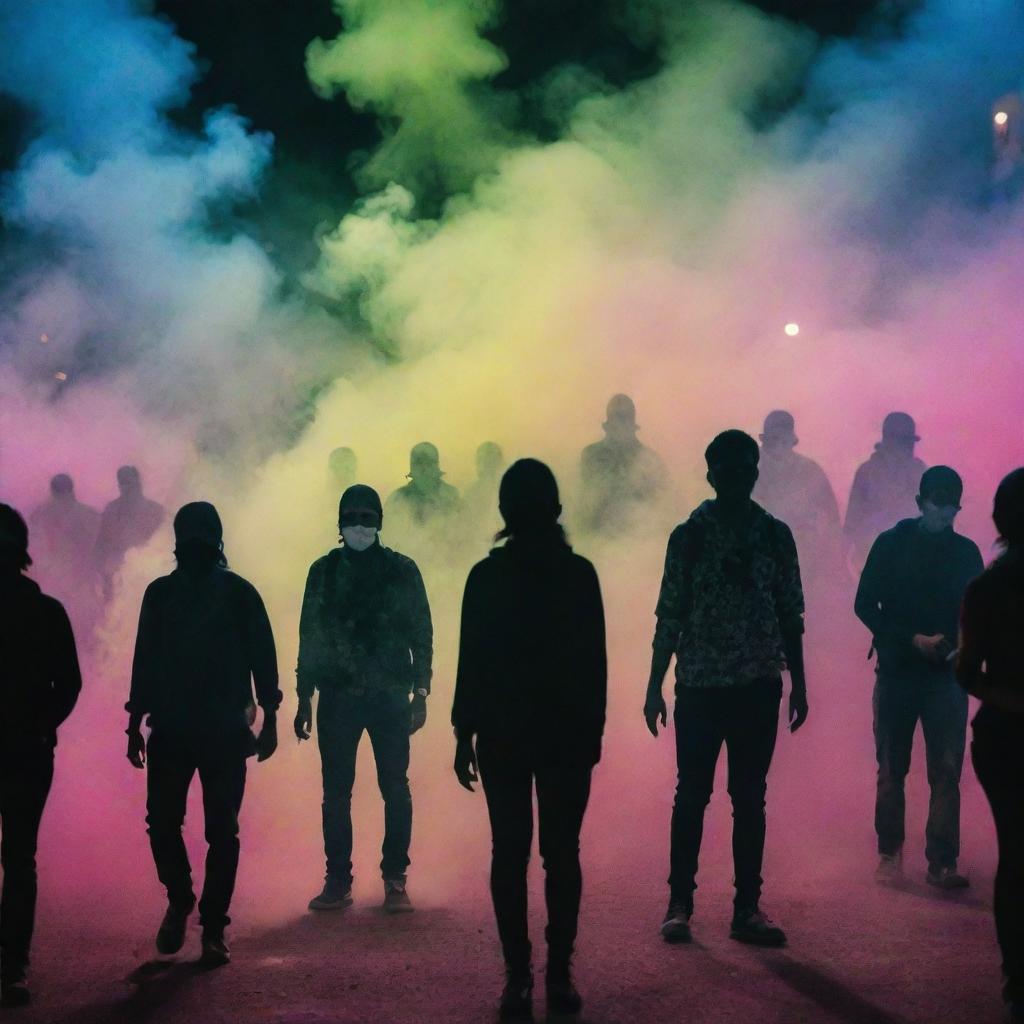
(597, 691)
(65, 674)
(263, 666)
(867, 605)
(789, 607)
(972, 669)
(144, 671)
(305, 680)
(669, 613)
(421, 648)
(466, 702)
(857, 509)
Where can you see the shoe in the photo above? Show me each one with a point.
(676, 926)
(946, 878)
(561, 992)
(517, 997)
(215, 950)
(756, 929)
(396, 899)
(171, 935)
(890, 869)
(14, 993)
(335, 895)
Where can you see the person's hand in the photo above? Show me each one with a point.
(266, 742)
(304, 719)
(797, 708)
(137, 748)
(655, 711)
(417, 713)
(933, 648)
(465, 764)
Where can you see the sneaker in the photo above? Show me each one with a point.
(517, 997)
(14, 992)
(890, 869)
(335, 895)
(171, 935)
(676, 926)
(946, 878)
(215, 950)
(396, 899)
(561, 992)
(756, 929)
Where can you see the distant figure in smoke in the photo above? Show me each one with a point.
(884, 487)
(482, 494)
(531, 691)
(204, 641)
(39, 685)
(796, 490)
(64, 533)
(426, 497)
(731, 611)
(909, 597)
(342, 466)
(129, 521)
(619, 473)
(366, 643)
(990, 666)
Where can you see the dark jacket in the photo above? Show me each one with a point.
(532, 663)
(204, 640)
(39, 675)
(913, 582)
(365, 625)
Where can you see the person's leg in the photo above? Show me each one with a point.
(895, 719)
(339, 727)
(507, 780)
(562, 794)
(388, 726)
(699, 739)
(222, 770)
(944, 724)
(169, 770)
(24, 786)
(751, 727)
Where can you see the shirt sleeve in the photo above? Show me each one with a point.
(974, 643)
(868, 603)
(789, 591)
(66, 675)
(421, 631)
(262, 651)
(673, 598)
(597, 693)
(855, 526)
(305, 678)
(468, 676)
(145, 662)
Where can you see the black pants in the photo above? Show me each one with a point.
(172, 762)
(25, 779)
(745, 719)
(941, 708)
(998, 755)
(508, 775)
(341, 720)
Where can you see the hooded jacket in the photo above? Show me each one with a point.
(39, 674)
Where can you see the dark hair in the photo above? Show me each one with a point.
(731, 446)
(528, 501)
(13, 540)
(198, 536)
(360, 496)
(1008, 509)
(62, 484)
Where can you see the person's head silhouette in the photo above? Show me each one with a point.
(732, 459)
(528, 500)
(14, 556)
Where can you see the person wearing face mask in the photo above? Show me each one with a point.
(366, 644)
(909, 597)
(731, 611)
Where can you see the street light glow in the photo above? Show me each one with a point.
(1001, 118)
(61, 376)
(792, 330)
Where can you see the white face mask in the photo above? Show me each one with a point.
(359, 538)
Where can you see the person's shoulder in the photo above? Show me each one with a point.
(52, 608)
(399, 562)
(318, 565)
(967, 547)
(774, 526)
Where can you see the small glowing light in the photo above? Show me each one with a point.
(44, 338)
(792, 330)
(60, 375)
(1001, 118)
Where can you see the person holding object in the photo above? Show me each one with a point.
(731, 611)
(204, 641)
(909, 598)
(366, 644)
(529, 708)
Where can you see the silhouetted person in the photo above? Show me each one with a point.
(618, 473)
(204, 642)
(366, 643)
(796, 490)
(39, 685)
(731, 611)
(482, 494)
(909, 597)
(342, 467)
(884, 487)
(531, 692)
(129, 521)
(426, 497)
(990, 666)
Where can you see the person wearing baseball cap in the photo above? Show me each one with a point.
(426, 497)
(909, 597)
(366, 644)
(884, 487)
